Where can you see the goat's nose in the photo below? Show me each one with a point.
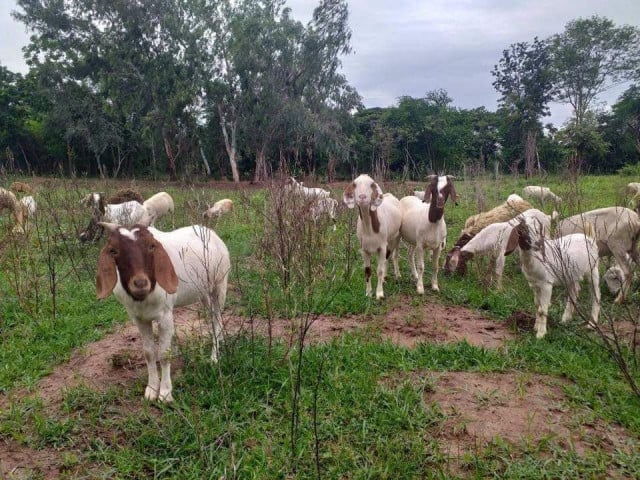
(140, 282)
(362, 196)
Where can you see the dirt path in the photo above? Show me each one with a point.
(118, 359)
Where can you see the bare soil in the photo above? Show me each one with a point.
(475, 404)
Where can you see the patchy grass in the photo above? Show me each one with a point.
(356, 407)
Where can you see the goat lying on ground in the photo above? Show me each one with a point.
(150, 272)
(423, 226)
(378, 227)
(561, 261)
(220, 207)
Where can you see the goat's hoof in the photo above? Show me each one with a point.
(150, 393)
(540, 334)
(619, 299)
(435, 288)
(165, 397)
(420, 290)
(379, 296)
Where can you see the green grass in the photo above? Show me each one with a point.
(235, 420)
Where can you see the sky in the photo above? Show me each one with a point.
(411, 47)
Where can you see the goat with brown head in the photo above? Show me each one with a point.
(140, 260)
(150, 272)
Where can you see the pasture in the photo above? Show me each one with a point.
(315, 379)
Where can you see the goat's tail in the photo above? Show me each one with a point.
(589, 231)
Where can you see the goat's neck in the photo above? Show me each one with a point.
(370, 221)
(435, 213)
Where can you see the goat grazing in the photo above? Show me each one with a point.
(219, 208)
(158, 205)
(126, 214)
(378, 227)
(493, 241)
(150, 272)
(561, 261)
(423, 226)
(309, 192)
(542, 194)
(125, 195)
(616, 230)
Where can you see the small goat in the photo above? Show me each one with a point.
(150, 272)
(423, 226)
(378, 227)
(492, 241)
(158, 205)
(310, 192)
(542, 194)
(21, 187)
(126, 214)
(561, 261)
(219, 208)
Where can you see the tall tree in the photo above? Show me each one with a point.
(591, 56)
(523, 78)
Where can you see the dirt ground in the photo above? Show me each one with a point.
(475, 404)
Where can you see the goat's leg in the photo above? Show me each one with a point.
(594, 283)
(165, 335)
(419, 259)
(435, 265)
(148, 344)
(543, 301)
(411, 254)
(382, 272)
(366, 257)
(394, 247)
(499, 269)
(572, 299)
(624, 261)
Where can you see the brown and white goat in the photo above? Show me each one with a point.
(423, 226)
(378, 227)
(150, 272)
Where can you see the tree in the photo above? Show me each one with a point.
(591, 56)
(524, 80)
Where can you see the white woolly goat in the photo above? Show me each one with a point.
(219, 208)
(562, 261)
(616, 230)
(493, 241)
(150, 272)
(309, 192)
(542, 194)
(158, 205)
(423, 226)
(378, 227)
(324, 206)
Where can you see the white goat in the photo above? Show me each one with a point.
(616, 230)
(219, 208)
(419, 194)
(378, 227)
(324, 206)
(158, 205)
(493, 241)
(561, 261)
(150, 272)
(308, 192)
(423, 226)
(541, 194)
(632, 188)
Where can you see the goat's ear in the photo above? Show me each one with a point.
(349, 196)
(106, 276)
(452, 190)
(512, 243)
(376, 196)
(163, 269)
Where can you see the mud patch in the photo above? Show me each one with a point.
(20, 462)
(435, 323)
(519, 408)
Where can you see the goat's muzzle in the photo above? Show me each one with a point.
(139, 287)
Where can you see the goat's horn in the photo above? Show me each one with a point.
(109, 226)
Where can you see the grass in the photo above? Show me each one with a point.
(235, 420)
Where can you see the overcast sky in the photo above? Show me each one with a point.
(410, 47)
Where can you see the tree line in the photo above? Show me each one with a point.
(239, 89)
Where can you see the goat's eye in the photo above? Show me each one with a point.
(152, 247)
(113, 252)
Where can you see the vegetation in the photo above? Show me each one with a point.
(357, 406)
(236, 89)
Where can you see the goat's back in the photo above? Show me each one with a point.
(200, 259)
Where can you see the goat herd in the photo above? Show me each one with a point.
(150, 272)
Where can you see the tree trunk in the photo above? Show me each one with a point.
(530, 154)
(205, 161)
(230, 142)
(261, 173)
(170, 157)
